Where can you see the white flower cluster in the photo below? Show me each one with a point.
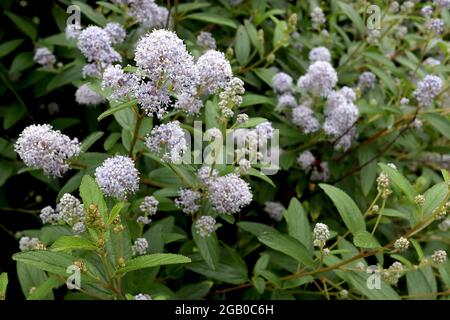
(117, 177)
(147, 13)
(401, 244)
(319, 54)
(319, 79)
(188, 201)
(39, 146)
(306, 160)
(340, 116)
(286, 100)
(44, 57)
(282, 83)
(86, 96)
(205, 174)
(168, 141)
(427, 90)
(73, 31)
(317, 18)
(149, 206)
(49, 215)
(91, 70)
(303, 117)
(427, 11)
(435, 25)
(320, 172)
(206, 40)
(231, 97)
(139, 247)
(205, 226)
(366, 81)
(274, 209)
(321, 234)
(229, 194)
(27, 243)
(392, 274)
(445, 4)
(71, 212)
(264, 130)
(142, 296)
(96, 45)
(116, 32)
(163, 59)
(165, 69)
(213, 72)
(438, 257)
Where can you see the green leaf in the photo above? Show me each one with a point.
(287, 245)
(350, 12)
(386, 79)
(434, 197)
(3, 285)
(109, 6)
(347, 208)
(6, 171)
(359, 281)
(45, 289)
(242, 45)
(111, 141)
(446, 176)
(71, 185)
(64, 123)
(30, 277)
(184, 8)
(91, 14)
(118, 108)
(255, 228)
(211, 114)
(194, 291)
(444, 271)
(230, 269)
(265, 75)
(68, 243)
(12, 115)
(252, 33)
(21, 62)
(251, 99)
(212, 18)
(297, 282)
(418, 248)
(400, 181)
(259, 284)
(280, 35)
(54, 262)
(152, 260)
(69, 75)
(90, 193)
(256, 173)
(90, 140)
(368, 172)
(298, 224)
(25, 26)
(364, 239)
(421, 283)
(115, 211)
(9, 46)
(49, 234)
(440, 123)
(208, 247)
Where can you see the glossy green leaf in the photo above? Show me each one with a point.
(347, 208)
